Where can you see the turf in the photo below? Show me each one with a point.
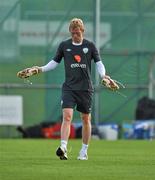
(108, 160)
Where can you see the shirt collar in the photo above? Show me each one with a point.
(76, 44)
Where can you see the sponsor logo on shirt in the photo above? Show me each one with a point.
(68, 50)
(77, 65)
(77, 58)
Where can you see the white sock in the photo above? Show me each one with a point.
(84, 148)
(64, 144)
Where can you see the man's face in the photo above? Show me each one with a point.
(77, 35)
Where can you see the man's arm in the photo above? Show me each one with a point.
(51, 65)
(101, 69)
(26, 73)
(106, 80)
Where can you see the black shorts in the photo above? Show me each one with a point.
(81, 100)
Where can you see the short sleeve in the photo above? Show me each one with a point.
(59, 53)
(95, 53)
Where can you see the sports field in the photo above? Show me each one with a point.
(110, 160)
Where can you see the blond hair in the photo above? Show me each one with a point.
(76, 23)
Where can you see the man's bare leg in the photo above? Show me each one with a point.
(86, 135)
(65, 127)
(65, 132)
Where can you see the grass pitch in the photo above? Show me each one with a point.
(108, 160)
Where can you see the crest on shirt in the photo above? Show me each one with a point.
(85, 50)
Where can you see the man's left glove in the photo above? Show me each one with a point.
(110, 83)
(25, 73)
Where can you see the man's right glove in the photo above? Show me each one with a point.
(25, 73)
